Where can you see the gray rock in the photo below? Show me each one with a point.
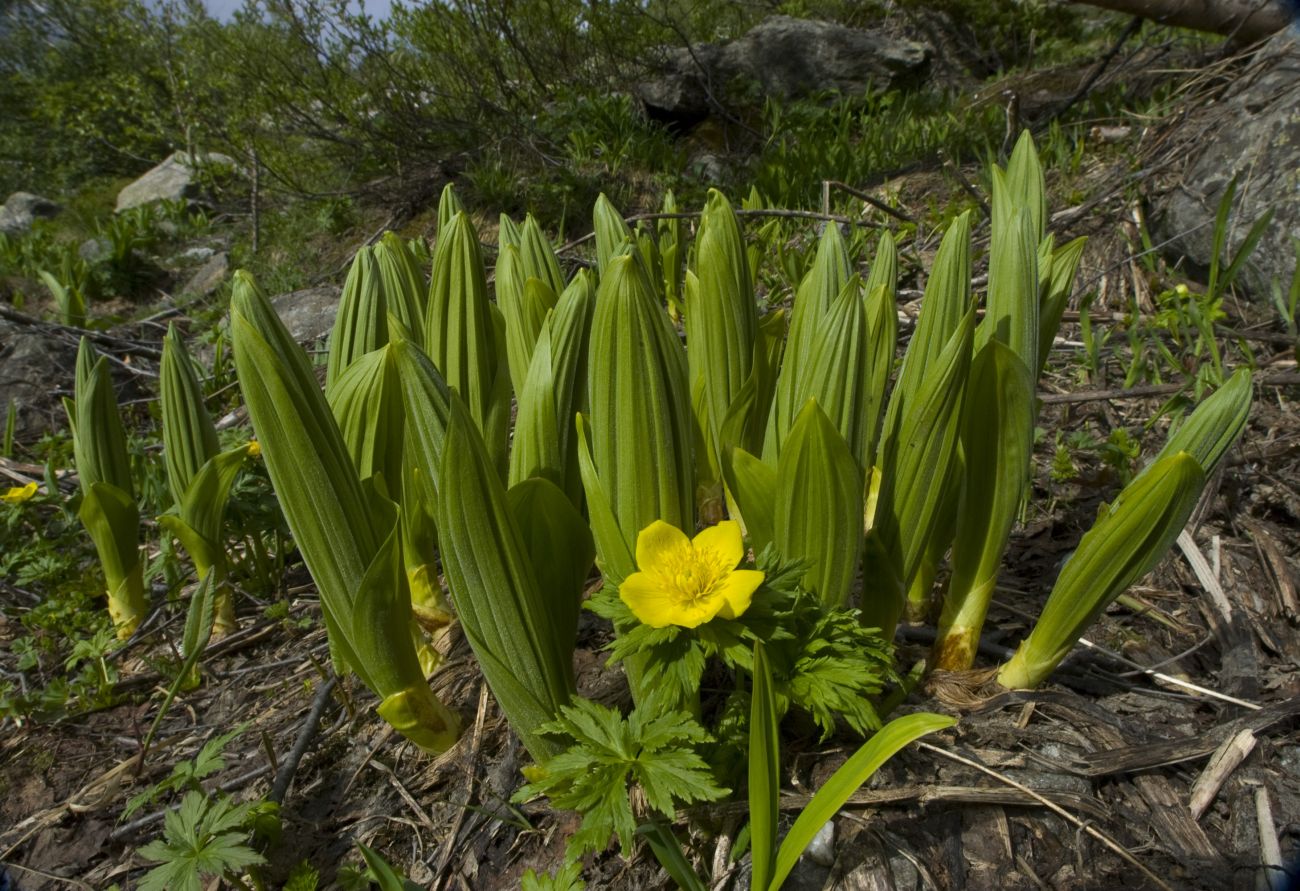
(31, 362)
(309, 313)
(21, 209)
(785, 57)
(172, 180)
(92, 250)
(198, 254)
(1252, 132)
(208, 277)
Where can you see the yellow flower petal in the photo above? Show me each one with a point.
(254, 448)
(738, 592)
(18, 494)
(657, 543)
(724, 540)
(649, 599)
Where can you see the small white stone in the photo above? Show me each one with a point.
(821, 850)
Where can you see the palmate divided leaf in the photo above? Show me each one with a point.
(347, 532)
(652, 749)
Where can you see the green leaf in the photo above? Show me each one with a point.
(366, 401)
(915, 467)
(820, 490)
(838, 373)
(881, 297)
(764, 774)
(381, 871)
(653, 748)
(189, 437)
(754, 485)
(99, 442)
(560, 547)
(362, 321)
(402, 282)
(511, 627)
(845, 782)
(613, 549)
(946, 302)
(1214, 425)
(668, 851)
(997, 438)
(823, 283)
(1129, 538)
(460, 335)
(1011, 314)
(721, 315)
(612, 233)
(1061, 270)
(639, 406)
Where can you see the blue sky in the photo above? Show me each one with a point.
(223, 9)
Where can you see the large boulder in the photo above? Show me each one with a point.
(31, 358)
(21, 209)
(309, 313)
(784, 57)
(1252, 133)
(175, 179)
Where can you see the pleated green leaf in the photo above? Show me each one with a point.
(754, 486)
(721, 316)
(1129, 538)
(764, 774)
(460, 334)
(612, 233)
(108, 509)
(112, 520)
(347, 533)
(189, 436)
(947, 299)
(448, 206)
(614, 552)
(1056, 287)
(404, 284)
(99, 442)
(639, 402)
(204, 506)
(997, 440)
(538, 256)
(524, 302)
(552, 394)
(819, 490)
(1214, 425)
(1011, 314)
(536, 450)
(1025, 182)
(426, 402)
(495, 587)
(915, 467)
(838, 374)
(672, 252)
(362, 321)
(845, 782)
(823, 283)
(560, 548)
(367, 404)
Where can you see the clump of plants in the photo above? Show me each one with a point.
(762, 497)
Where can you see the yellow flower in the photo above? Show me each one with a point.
(18, 494)
(1181, 289)
(254, 448)
(688, 582)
